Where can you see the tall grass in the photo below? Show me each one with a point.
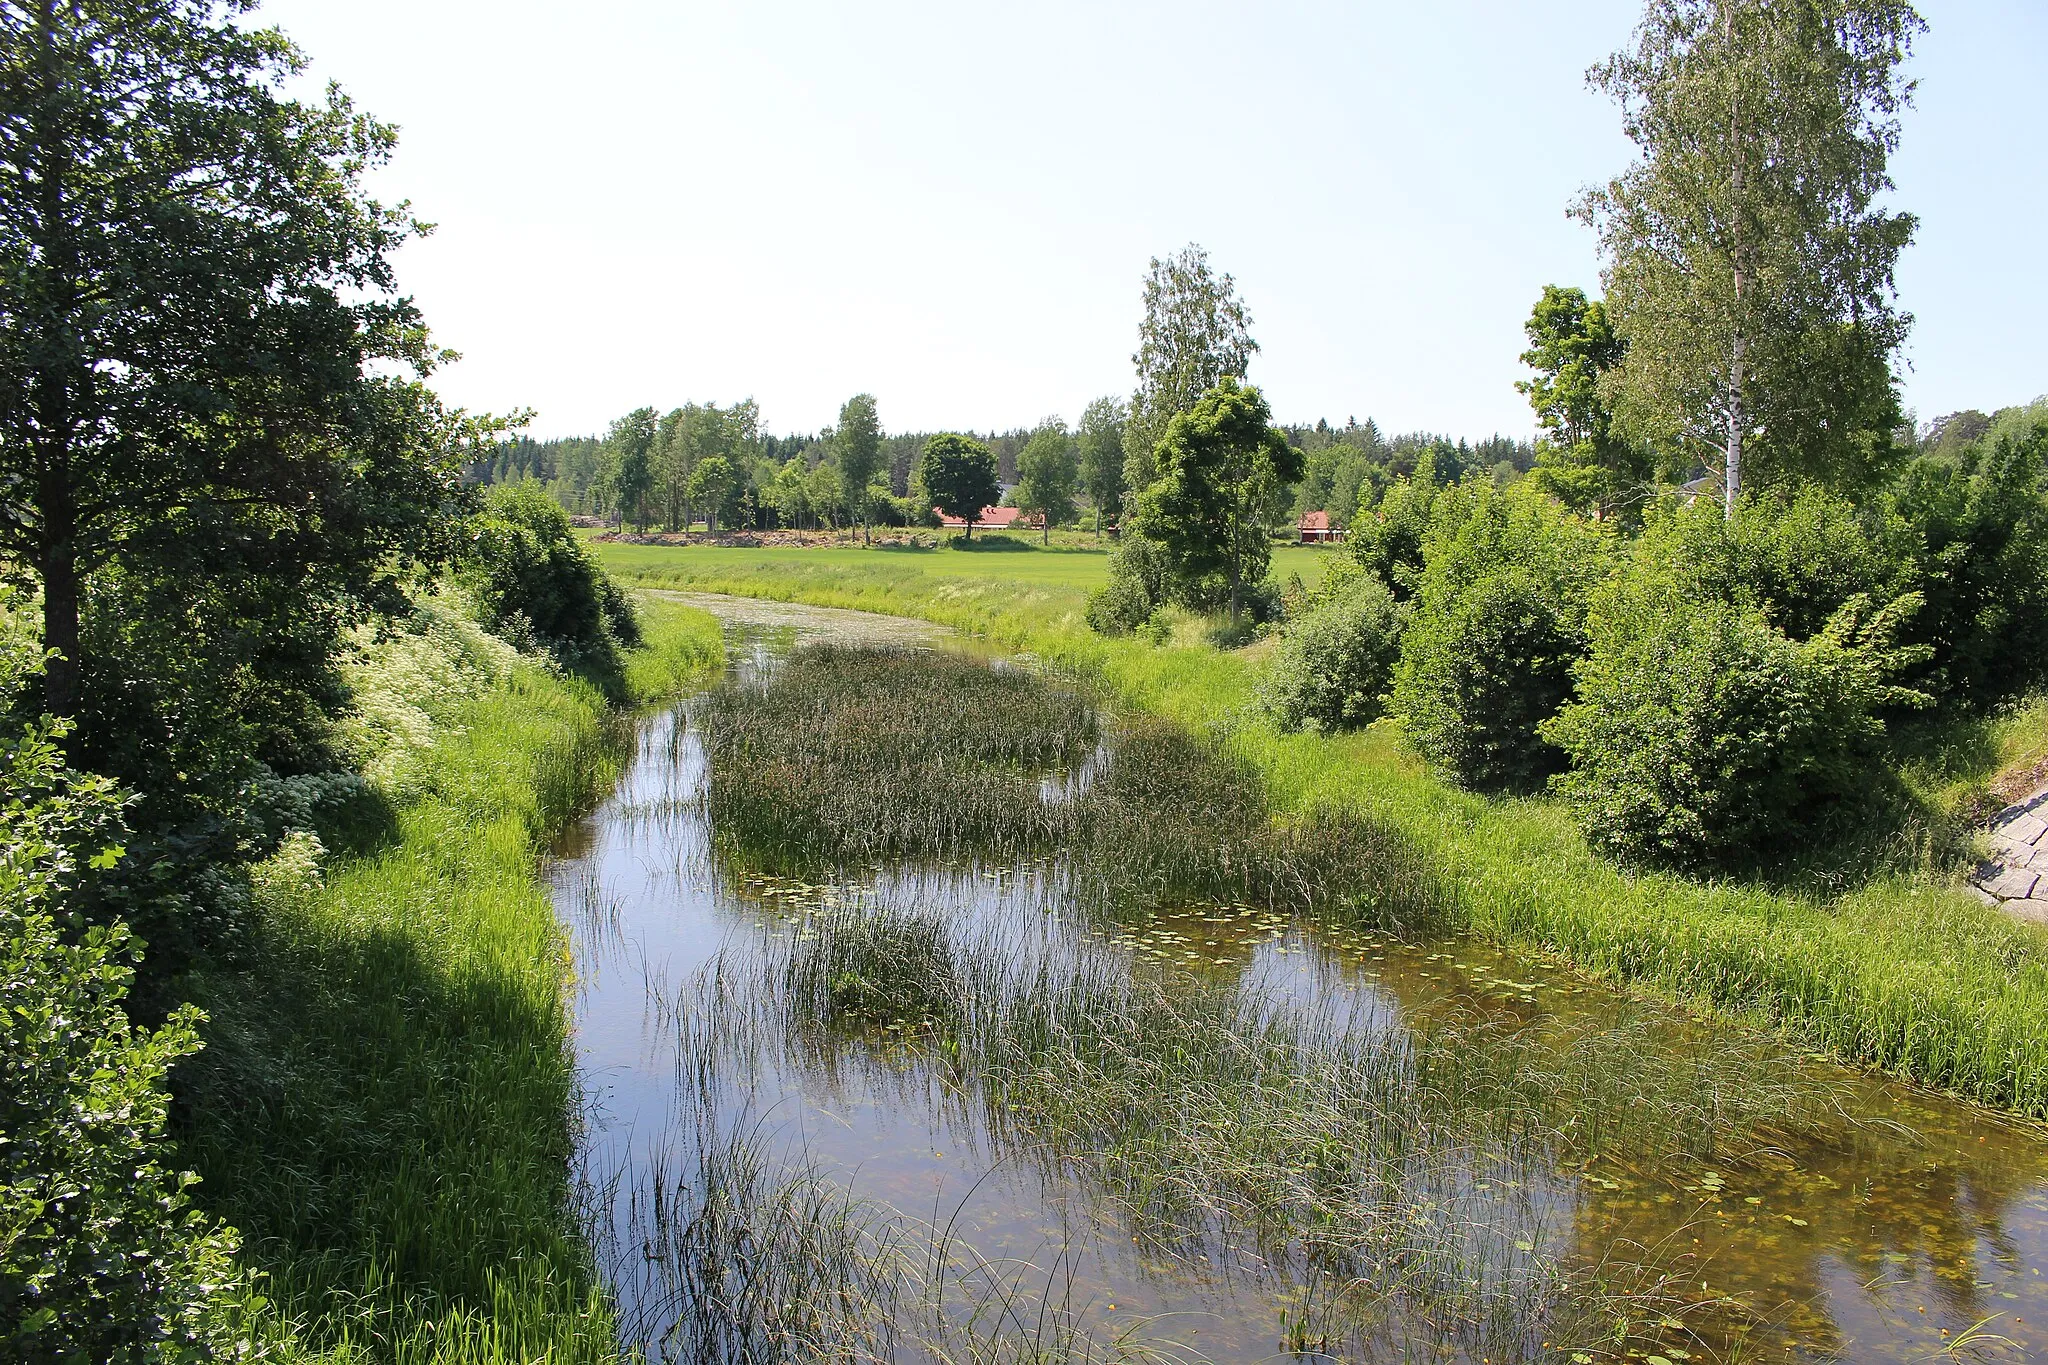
(850, 754)
(1913, 978)
(385, 1104)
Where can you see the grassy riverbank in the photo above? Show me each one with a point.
(386, 1104)
(1912, 978)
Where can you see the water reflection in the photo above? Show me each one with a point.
(1891, 1228)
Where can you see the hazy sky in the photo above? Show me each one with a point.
(952, 205)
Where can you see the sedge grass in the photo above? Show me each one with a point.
(385, 1104)
(1401, 1182)
(849, 754)
(1898, 973)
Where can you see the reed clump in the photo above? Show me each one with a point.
(845, 754)
(856, 753)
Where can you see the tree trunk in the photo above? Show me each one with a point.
(59, 569)
(1732, 477)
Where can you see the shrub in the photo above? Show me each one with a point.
(1477, 677)
(1500, 621)
(1979, 538)
(1135, 590)
(102, 1257)
(1334, 663)
(1798, 558)
(1705, 737)
(1387, 541)
(537, 585)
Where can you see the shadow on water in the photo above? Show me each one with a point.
(1049, 1104)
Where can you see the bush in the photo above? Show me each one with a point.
(1477, 677)
(1387, 541)
(1798, 558)
(537, 585)
(1136, 588)
(101, 1256)
(1705, 737)
(1979, 538)
(1334, 663)
(1501, 620)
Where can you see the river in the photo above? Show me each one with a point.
(1917, 1231)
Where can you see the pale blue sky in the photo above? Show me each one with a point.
(951, 205)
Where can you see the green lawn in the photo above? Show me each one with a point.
(1899, 974)
(1003, 573)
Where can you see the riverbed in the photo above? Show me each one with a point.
(1917, 1229)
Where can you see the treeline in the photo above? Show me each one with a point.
(769, 482)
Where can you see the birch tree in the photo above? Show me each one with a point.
(1196, 332)
(1748, 266)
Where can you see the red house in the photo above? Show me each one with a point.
(990, 519)
(1315, 528)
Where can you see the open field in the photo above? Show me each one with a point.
(1914, 979)
(997, 574)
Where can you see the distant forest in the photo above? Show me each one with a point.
(793, 481)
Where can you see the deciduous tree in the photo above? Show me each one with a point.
(1747, 266)
(205, 369)
(1219, 466)
(1101, 443)
(858, 442)
(1196, 331)
(1047, 475)
(1584, 464)
(959, 473)
(629, 465)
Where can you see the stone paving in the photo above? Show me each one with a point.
(2016, 877)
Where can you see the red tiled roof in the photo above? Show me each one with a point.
(988, 519)
(1315, 521)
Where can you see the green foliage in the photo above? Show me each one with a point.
(1388, 542)
(960, 475)
(241, 387)
(1500, 619)
(1195, 334)
(1334, 664)
(537, 584)
(102, 1256)
(1584, 465)
(1137, 588)
(1101, 442)
(1979, 538)
(857, 441)
(1705, 738)
(1477, 676)
(1047, 474)
(1220, 464)
(628, 476)
(716, 487)
(1747, 266)
(1798, 558)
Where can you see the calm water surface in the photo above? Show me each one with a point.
(1919, 1233)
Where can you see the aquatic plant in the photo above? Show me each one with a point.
(854, 753)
